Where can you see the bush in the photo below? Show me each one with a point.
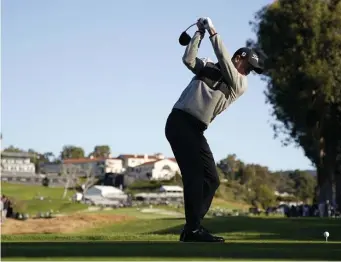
(18, 205)
(46, 182)
(225, 192)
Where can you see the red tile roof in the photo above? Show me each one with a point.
(85, 160)
(149, 163)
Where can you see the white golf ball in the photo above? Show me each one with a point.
(326, 234)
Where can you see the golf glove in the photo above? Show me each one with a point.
(201, 26)
(207, 23)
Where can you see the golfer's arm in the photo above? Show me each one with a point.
(190, 57)
(228, 69)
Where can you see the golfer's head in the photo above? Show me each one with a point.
(246, 60)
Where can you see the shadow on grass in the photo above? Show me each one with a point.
(256, 250)
(268, 228)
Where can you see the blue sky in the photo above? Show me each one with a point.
(89, 72)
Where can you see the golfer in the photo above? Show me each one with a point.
(214, 87)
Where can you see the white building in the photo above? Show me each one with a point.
(136, 160)
(98, 165)
(16, 163)
(114, 165)
(164, 169)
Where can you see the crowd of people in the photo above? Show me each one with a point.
(315, 210)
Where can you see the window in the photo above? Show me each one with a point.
(166, 167)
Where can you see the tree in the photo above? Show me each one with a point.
(338, 179)
(284, 183)
(304, 185)
(70, 173)
(302, 42)
(49, 157)
(36, 158)
(101, 151)
(82, 177)
(89, 180)
(264, 196)
(230, 166)
(13, 149)
(72, 152)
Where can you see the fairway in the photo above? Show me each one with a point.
(152, 234)
(156, 238)
(32, 199)
(176, 251)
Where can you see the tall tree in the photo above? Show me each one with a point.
(231, 166)
(304, 185)
(264, 196)
(13, 149)
(49, 156)
(70, 174)
(69, 152)
(36, 158)
(302, 41)
(101, 151)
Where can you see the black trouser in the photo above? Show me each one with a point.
(199, 174)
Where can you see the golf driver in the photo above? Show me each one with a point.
(185, 38)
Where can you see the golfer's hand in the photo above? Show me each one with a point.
(200, 25)
(209, 25)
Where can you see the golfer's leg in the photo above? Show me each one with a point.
(185, 144)
(188, 157)
(211, 177)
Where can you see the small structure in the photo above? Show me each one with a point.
(165, 194)
(171, 189)
(105, 196)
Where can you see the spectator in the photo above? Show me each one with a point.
(4, 207)
(1, 209)
(305, 210)
(327, 209)
(321, 208)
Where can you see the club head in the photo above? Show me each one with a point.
(184, 39)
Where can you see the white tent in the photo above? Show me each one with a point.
(105, 192)
(171, 189)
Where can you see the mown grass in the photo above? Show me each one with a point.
(26, 199)
(174, 250)
(28, 192)
(221, 203)
(233, 228)
(247, 238)
(155, 236)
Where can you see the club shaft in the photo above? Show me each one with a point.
(190, 26)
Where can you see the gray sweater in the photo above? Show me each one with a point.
(198, 99)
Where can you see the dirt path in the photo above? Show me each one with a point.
(63, 224)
